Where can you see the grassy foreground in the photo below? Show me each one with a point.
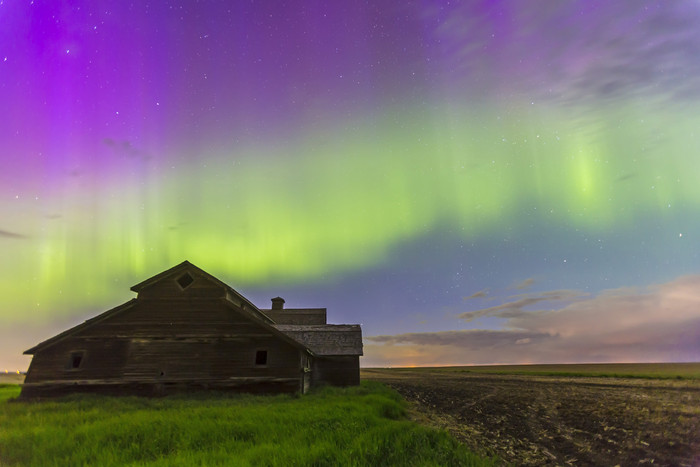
(364, 425)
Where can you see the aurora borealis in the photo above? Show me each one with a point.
(474, 182)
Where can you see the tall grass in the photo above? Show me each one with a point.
(363, 425)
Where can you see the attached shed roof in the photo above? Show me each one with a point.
(326, 339)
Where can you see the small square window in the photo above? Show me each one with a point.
(76, 359)
(261, 357)
(184, 280)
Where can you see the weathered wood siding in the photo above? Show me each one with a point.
(169, 287)
(169, 317)
(336, 371)
(186, 329)
(297, 316)
(102, 359)
(170, 343)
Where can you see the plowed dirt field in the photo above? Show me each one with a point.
(549, 420)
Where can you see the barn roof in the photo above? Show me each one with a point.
(326, 339)
(318, 339)
(87, 323)
(125, 306)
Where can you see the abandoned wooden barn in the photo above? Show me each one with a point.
(188, 330)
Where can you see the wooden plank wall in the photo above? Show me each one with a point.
(168, 287)
(158, 341)
(297, 316)
(175, 318)
(103, 359)
(337, 371)
(209, 359)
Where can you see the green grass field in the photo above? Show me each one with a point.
(600, 370)
(364, 425)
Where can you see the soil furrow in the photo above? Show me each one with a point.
(558, 421)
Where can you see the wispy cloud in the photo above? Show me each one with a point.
(479, 294)
(8, 234)
(124, 147)
(472, 339)
(516, 307)
(656, 323)
(527, 283)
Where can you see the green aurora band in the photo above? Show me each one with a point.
(340, 198)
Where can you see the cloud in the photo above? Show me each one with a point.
(515, 308)
(624, 177)
(656, 323)
(472, 339)
(124, 147)
(643, 51)
(7, 234)
(479, 294)
(525, 284)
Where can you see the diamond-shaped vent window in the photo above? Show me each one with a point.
(185, 280)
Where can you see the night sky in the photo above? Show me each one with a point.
(473, 182)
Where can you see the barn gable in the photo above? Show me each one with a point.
(187, 329)
(187, 281)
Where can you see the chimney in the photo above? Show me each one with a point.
(277, 303)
